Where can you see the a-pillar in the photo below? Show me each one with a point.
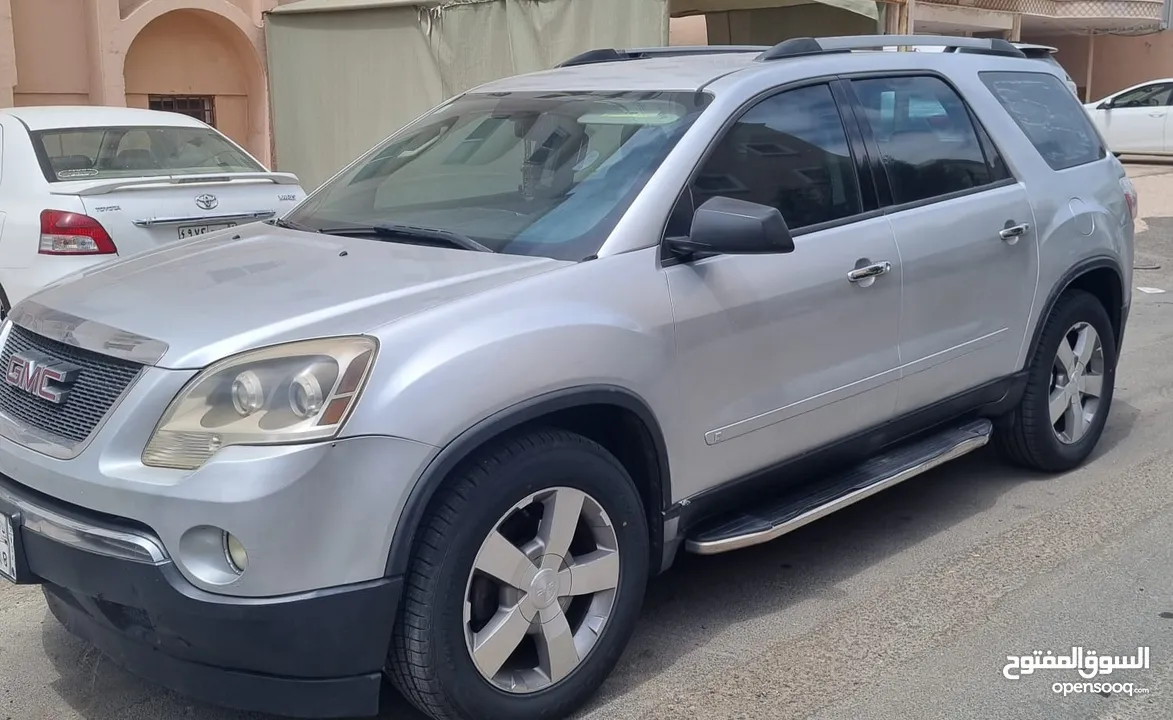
(107, 83)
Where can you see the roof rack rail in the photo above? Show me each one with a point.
(797, 47)
(602, 55)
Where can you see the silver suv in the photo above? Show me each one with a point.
(447, 417)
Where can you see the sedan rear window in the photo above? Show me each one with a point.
(140, 151)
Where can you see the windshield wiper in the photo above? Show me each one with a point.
(448, 237)
(282, 222)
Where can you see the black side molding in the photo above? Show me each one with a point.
(465, 444)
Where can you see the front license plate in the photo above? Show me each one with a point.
(7, 549)
(190, 231)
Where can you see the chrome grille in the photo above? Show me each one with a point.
(99, 385)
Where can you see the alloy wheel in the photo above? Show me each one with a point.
(541, 590)
(1077, 383)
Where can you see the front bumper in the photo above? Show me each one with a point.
(312, 655)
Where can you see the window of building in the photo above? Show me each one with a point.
(200, 107)
(928, 143)
(790, 152)
(1050, 116)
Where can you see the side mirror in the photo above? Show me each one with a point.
(725, 226)
(1106, 105)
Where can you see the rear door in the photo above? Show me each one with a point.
(965, 230)
(149, 185)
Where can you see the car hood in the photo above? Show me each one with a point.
(261, 284)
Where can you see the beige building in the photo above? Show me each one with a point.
(207, 57)
(1105, 45)
(202, 57)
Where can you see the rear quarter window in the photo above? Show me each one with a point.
(1050, 116)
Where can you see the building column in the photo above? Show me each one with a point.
(7, 55)
(1091, 59)
(106, 54)
(906, 18)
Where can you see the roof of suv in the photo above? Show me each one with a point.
(696, 68)
(687, 72)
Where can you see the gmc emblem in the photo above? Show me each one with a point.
(41, 376)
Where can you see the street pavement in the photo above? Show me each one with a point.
(903, 607)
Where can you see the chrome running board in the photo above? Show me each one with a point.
(762, 523)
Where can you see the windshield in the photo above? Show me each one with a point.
(121, 152)
(546, 174)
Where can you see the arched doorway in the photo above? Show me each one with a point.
(199, 63)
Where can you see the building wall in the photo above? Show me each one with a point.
(1117, 61)
(692, 30)
(159, 63)
(51, 52)
(769, 26)
(120, 52)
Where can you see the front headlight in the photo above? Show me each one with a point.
(282, 394)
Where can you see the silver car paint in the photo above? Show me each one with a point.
(743, 360)
(262, 285)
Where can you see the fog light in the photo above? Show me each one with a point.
(235, 552)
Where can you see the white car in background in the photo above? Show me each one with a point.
(1136, 120)
(83, 185)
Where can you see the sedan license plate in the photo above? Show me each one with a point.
(190, 231)
(7, 549)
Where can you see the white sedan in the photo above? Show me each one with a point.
(1136, 120)
(82, 185)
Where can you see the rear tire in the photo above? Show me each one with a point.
(549, 633)
(1069, 388)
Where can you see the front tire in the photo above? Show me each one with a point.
(1068, 396)
(525, 583)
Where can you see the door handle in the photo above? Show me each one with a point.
(869, 271)
(1157, 114)
(1011, 233)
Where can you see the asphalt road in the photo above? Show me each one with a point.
(901, 608)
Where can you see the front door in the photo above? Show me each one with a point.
(966, 233)
(1136, 120)
(780, 353)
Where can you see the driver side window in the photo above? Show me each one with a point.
(1148, 96)
(789, 152)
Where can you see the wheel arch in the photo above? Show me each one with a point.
(615, 417)
(1101, 276)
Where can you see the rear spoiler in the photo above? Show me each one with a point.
(101, 187)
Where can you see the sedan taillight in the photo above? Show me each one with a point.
(70, 233)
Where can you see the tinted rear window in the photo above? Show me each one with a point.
(1049, 115)
(120, 152)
